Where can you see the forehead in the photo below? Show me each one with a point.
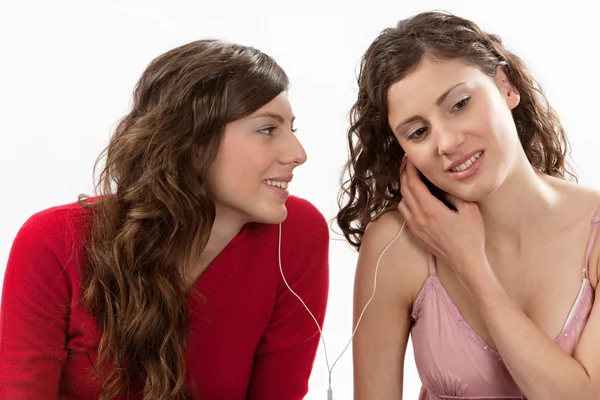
(280, 105)
(429, 80)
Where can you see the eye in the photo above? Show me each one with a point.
(417, 133)
(267, 131)
(461, 104)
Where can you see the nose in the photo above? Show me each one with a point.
(448, 141)
(293, 152)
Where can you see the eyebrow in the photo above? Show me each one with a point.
(277, 117)
(438, 102)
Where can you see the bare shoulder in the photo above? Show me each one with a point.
(403, 266)
(578, 196)
(379, 345)
(584, 203)
(590, 203)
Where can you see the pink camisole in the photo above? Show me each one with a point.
(454, 362)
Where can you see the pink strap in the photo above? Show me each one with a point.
(592, 241)
(432, 267)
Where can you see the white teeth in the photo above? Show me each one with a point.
(278, 184)
(467, 163)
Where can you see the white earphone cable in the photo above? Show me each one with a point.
(329, 390)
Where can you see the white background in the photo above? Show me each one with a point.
(67, 70)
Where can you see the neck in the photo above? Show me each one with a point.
(520, 209)
(225, 227)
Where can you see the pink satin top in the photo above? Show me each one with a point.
(454, 362)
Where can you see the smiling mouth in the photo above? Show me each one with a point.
(277, 184)
(467, 163)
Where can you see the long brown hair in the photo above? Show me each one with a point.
(371, 186)
(153, 212)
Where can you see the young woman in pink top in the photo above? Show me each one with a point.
(496, 282)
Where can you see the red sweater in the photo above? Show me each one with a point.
(253, 340)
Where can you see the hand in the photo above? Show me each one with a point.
(456, 237)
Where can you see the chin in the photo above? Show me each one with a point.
(271, 215)
(476, 194)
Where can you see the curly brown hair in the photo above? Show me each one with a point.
(153, 210)
(370, 178)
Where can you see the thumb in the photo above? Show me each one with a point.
(403, 164)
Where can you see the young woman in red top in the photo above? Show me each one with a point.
(168, 284)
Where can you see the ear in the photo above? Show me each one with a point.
(507, 90)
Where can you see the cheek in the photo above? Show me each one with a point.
(238, 158)
(251, 163)
(500, 121)
(238, 168)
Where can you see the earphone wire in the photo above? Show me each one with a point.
(330, 370)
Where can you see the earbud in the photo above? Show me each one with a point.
(329, 390)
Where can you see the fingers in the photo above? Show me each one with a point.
(419, 200)
(411, 171)
(406, 189)
(405, 212)
(403, 164)
(417, 195)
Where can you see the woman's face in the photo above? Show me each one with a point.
(455, 124)
(255, 163)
